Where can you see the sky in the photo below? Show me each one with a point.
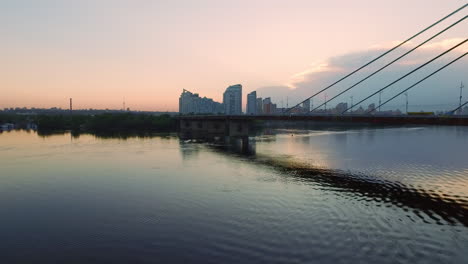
(101, 51)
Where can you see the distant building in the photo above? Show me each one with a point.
(252, 103)
(273, 109)
(267, 106)
(341, 107)
(232, 100)
(465, 110)
(359, 111)
(192, 103)
(306, 106)
(259, 106)
(281, 110)
(299, 109)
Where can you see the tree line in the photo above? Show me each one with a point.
(108, 122)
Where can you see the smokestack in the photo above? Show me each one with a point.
(71, 106)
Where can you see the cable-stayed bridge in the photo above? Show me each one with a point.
(372, 115)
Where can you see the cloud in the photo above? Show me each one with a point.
(279, 94)
(446, 44)
(438, 92)
(323, 67)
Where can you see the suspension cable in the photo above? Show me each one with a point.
(454, 110)
(380, 56)
(393, 61)
(402, 92)
(409, 73)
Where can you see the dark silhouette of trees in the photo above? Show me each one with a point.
(108, 123)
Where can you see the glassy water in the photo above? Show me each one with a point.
(393, 195)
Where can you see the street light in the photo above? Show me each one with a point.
(406, 95)
(325, 102)
(380, 99)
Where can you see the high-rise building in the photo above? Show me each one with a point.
(306, 106)
(371, 107)
(340, 108)
(252, 103)
(193, 103)
(267, 106)
(259, 106)
(273, 109)
(232, 100)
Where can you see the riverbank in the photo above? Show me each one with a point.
(101, 123)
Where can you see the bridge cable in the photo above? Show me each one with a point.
(390, 63)
(454, 110)
(409, 73)
(441, 68)
(380, 56)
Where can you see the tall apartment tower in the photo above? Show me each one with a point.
(267, 106)
(306, 106)
(192, 103)
(259, 106)
(232, 100)
(252, 103)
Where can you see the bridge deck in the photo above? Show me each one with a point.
(374, 119)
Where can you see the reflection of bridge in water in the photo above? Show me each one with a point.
(428, 205)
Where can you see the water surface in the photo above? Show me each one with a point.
(374, 195)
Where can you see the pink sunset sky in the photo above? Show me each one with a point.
(101, 51)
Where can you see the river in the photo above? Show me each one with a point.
(323, 195)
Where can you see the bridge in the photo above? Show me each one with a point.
(238, 125)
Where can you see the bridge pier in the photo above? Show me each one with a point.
(201, 128)
(233, 133)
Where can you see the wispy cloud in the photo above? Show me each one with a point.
(323, 73)
(314, 69)
(446, 44)
(343, 62)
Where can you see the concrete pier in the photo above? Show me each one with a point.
(199, 127)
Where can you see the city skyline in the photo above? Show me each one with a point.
(99, 53)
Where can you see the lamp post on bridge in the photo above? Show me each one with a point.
(406, 95)
(380, 99)
(461, 96)
(325, 103)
